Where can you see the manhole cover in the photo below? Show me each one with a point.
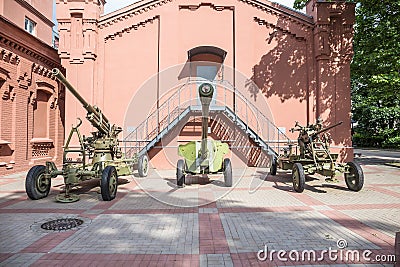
(61, 224)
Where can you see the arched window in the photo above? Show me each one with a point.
(207, 62)
(207, 53)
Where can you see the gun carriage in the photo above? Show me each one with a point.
(312, 155)
(97, 157)
(205, 156)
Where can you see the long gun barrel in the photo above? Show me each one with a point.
(206, 92)
(94, 114)
(327, 128)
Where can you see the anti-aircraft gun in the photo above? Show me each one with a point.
(205, 156)
(106, 159)
(314, 156)
(311, 134)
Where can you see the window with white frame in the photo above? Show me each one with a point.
(30, 26)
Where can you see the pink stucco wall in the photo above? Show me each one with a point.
(39, 11)
(300, 63)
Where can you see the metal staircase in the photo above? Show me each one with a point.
(183, 103)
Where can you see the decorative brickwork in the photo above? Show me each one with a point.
(41, 150)
(25, 68)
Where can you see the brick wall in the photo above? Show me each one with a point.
(25, 68)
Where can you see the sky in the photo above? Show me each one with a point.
(112, 5)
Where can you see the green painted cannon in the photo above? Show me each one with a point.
(314, 156)
(97, 157)
(205, 156)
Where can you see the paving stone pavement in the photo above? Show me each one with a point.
(154, 223)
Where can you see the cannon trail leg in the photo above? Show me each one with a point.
(67, 197)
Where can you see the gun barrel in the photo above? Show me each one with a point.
(94, 115)
(57, 73)
(206, 92)
(327, 128)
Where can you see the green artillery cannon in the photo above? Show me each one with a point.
(106, 159)
(314, 156)
(205, 156)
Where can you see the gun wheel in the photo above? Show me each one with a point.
(274, 167)
(354, 177)
(143, 166)
(298, 177)
(109, 183)
(180, 175)
(36, 185)
(228, 172)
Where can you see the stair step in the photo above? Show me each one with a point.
(189, 111)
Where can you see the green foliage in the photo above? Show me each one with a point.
(375, 71)
(299, 4)
(393, 142)
(367, 140)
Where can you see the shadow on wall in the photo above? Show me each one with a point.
(286, 71)
(282, 70)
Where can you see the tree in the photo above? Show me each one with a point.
(375, 72)
(299, 4)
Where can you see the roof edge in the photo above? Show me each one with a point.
(30, 44)
(143, 4)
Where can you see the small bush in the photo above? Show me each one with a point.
(365, 140)
(393, 142)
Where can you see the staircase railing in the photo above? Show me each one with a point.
(256, 120)
(155, 122)
(185, 96)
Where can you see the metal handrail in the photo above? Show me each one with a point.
(177, 103)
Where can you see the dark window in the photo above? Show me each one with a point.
(30, 26)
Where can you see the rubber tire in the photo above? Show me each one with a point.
(274, 167)
(143, 165)
(228, 172)
(31, 189)
(106, 178)
(297, 167)
(180, 172)
(355, 168)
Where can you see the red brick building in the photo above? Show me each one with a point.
(32, 101)
(287, 66)
(270, 65)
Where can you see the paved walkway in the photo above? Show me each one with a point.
(153, 223)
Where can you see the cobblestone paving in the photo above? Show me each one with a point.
(343, 197)
(260, 198)
(154, 223)
(385, 220)
(393, 188)
(214, 260)
(137, 234)
(22, 259)
(19, 225)
(247, 232)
